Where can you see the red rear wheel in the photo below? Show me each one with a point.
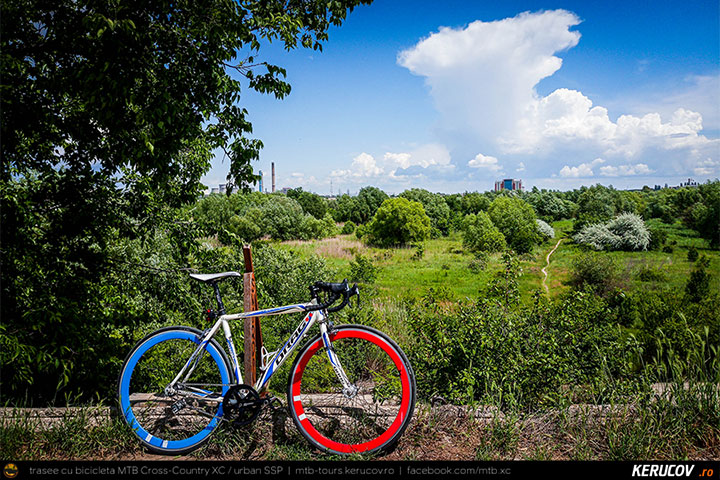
(374, 415)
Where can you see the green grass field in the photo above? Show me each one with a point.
(446, 264)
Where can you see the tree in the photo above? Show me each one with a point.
(398, 221)
(515, 218)
(435, 207)
(369, 200)
(109, 115)
(596, 204)
(311, 203)
(704, 216)
(480, 235)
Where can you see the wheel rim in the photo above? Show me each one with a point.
(148, 410)
(371, 419)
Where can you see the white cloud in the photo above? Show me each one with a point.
(625, 170)
(707, 167)
(485, 162)
(363, 166)
(520, 167)
(483, 79)
(581, 171)
(397, 166)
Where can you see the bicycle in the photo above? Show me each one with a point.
(351, 389)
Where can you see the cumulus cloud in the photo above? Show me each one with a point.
(625, 170)
(583, 170)
(430, 159)
(707, 167)
(485, 162)
(483, 78)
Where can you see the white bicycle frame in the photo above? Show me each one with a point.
(278, 356)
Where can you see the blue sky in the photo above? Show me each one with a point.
(452, 96)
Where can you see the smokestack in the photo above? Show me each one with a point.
(273, 177)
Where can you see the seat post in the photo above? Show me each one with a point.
(221, 307)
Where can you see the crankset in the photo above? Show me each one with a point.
(241, 404)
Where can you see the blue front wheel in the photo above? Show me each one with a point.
(175, 420)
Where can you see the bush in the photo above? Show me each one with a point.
(668, 249)
(545, 230)
(348, 228)
(398, 221)
(481, 235)
(419, 252)
(658, 237)
(479, 263)
(484, 352)
(624, 232)
(692, 254)
(596, 271)
(362, 270)
(649, 274)
(515, 219)
(698, 285)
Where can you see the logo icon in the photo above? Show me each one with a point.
(10, 470)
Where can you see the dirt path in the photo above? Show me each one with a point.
(547, 260)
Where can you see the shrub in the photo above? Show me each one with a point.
(419, 252)
(398, 221)
(515, 219)
(692, 254)
(362, 269)
(596, 236)
(649, 274)
(624, 232)
(658, 237)
(484, 352)
(631, 230)
(595, 271)
(668, 249)
(545, 230)
(479, 263)
(698, 285)
(481, 235)
(348, 228)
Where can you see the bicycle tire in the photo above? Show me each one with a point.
(370, 422)
(149, 367)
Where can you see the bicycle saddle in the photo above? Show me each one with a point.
(213, 277)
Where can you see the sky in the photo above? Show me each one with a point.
(451, 96)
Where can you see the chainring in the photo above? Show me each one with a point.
(241, 404)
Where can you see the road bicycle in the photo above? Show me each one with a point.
(351, 389)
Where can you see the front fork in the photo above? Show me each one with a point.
(349, 390)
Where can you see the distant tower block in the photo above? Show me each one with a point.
(508, 184)
(260, 182)
(273, 177)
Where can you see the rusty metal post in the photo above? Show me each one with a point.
(253, 337)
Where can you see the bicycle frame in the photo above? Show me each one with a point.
(278, 357)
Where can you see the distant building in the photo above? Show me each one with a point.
(508, 184)
(689, 183)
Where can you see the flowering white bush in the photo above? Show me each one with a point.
(545, 230)
(631, 230)
(624, 232)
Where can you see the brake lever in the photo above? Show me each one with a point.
(355, 291)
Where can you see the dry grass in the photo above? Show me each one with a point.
(342, 247)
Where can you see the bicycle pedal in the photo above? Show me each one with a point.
(274, 403)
